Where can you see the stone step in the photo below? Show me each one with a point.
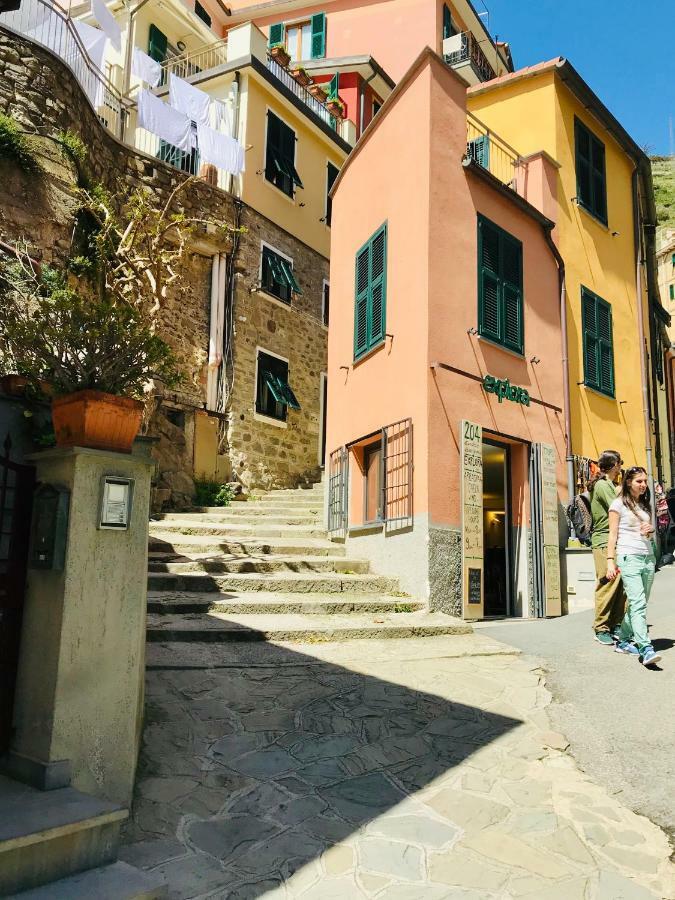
(277, 503)
(178, 543)
(224, 563)
(251, 518)
(267, 602)
(286, 582)
(234, 530)
(118, 881)
(222, 628)
(47, 835)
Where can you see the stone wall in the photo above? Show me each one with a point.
(39, 91)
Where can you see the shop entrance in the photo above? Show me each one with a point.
(496, 465)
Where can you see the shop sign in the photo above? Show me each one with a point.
(471, 451)
(503, 388)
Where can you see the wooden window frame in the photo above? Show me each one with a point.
(595, 206)
(372, 341)
(589, 334)
(291, 283)
(503, 285)
(286, 180)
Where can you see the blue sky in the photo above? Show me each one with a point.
(623, 50)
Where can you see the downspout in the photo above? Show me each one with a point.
(362, 92)
(235, 122)
(126, 84)
(641, 335)
(569, 456)
(212, 371)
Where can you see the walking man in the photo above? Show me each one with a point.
(610, 597)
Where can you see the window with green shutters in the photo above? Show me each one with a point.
(448, 27)
(318, 23)
(280, 156)
(276, 275)
(596, 316)
(274, 394)
(370, 303)
(500, 286)
(157, 44)
(277, 33)
(590, 169)
(671, 291)
(331, 174)
(317, 36)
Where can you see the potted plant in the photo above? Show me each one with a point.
(301, 75)
(279, 53)
(336, 107)
(318, 91)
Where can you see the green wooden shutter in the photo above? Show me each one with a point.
(598, 179)
(276, 34)
(157, 44)
(605, 347)
(489, 318)
(318, 25)
(590, 329)
(361, 301)
(378, 287)
(671, 291)
(583, 165)
(512, 292)
(448, 30)
(334, 86)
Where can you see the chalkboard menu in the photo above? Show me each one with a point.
(475, 577)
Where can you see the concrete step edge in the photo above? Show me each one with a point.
(117, 881)
(56, 831)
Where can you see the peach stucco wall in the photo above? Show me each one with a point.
(388, 181)
(393, 33)
(409, 173)
(457, 199)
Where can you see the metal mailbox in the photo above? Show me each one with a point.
(49, 530)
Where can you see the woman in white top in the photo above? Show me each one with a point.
(630, 551)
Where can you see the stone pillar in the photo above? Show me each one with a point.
(79, 696)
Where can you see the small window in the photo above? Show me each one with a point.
(672, 260)
(299, 41)
(331, 174)
(590, 169)
(500, 286)
(202, 14)
(372, 476)
(303, 40)
(671, 291)
(596, 316)
(448, 27)
(274, 394)
(325, 304)
(280, 156)
(478, 150)
(277, 276)
(370, 304)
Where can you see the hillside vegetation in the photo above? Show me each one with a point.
(663, 173)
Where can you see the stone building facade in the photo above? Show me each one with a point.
(41, 94)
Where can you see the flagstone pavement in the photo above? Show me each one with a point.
(397, 769)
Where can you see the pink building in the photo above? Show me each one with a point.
(445, 385)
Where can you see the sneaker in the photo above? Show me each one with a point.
(605, 638)
(649, 656)
(627, 647)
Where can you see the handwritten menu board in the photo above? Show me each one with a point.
(549, 493)
(472, 518)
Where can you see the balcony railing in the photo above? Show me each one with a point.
(488, 150)
(317, 107)
(209, 56)
(464, 48)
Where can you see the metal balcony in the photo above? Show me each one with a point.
(462, 52)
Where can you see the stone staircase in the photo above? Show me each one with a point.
(264, 569)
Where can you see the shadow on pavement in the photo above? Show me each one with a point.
(253, 770)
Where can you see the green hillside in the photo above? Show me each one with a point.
(663, 173)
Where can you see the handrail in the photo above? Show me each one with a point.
(190, 62)
(490, 151)
(470, 50)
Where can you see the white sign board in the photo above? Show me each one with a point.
(549, 495)
(471, 468)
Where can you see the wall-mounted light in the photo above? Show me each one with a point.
(181, 45)
(346, 368)
(616, 233)
(535, 360)
(301, 205)
(472, 330)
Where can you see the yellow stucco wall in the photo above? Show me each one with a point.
(538, 113)
(313, 151)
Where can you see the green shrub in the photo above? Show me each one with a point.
(212, 493)
(73, 147)
(14, 145)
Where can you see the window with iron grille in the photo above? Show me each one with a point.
(500, 286)
(370, 304)
(598, 342)
(338, 481)
(276, 276)
(280, 156)
(590, 169)
(274, 394)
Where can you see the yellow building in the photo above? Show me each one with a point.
(604, 205)
(665, 261)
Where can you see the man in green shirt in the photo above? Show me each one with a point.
(610, 598)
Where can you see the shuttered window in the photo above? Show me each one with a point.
(331, 174)
(318, 23)
(276, 34)
(598, 342)
(317, 29)
(274, 394)
(370, 293)
(448, 28)
(280, 156)
(478, 150)
(277, 276)
(157, 44)
(201, 13)
(500, 286)
(590, 169)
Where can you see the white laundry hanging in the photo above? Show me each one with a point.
(107, 22)
(189, 100)
(146, 68)
(94, 42)
(161, 119)
(219, 149)
(223, 117)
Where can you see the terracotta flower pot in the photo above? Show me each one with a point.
(301, 77)
(318, 92)
(97, 420)
(15, 385)
(335, 109)
(280, 55)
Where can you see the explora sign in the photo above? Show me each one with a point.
(504, 389)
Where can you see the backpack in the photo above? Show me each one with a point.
(578, 512)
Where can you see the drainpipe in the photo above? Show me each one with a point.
(569, 456)
(235, 122)
(131, 30)
(641, 335)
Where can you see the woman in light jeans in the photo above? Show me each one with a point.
(630, 551)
